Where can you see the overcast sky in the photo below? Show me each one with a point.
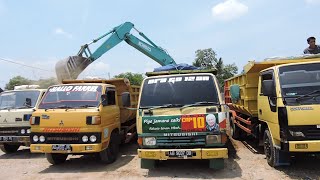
(39, 33)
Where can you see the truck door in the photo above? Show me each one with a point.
(267, 104)
(111, 111)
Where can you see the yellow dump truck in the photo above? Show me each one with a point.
(277, 101)
(16, 107)
(181, 116)
(84, 117)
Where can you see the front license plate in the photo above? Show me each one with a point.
(61, 147)
(6, 138)
(180, 154)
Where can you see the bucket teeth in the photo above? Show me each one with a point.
(71, 67)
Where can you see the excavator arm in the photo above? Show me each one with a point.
(71, 67)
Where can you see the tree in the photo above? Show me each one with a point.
(45, 83)
(17, 81)
(134, 78)
(206, 58)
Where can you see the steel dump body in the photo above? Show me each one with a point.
(248, 82)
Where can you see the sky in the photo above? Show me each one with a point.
(38, 33)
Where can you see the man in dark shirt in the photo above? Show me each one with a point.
(313, 48)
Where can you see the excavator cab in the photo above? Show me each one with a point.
(71, 67)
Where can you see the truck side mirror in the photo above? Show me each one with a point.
(28, 102)
(268, 88)
(1, 90)
(104, 99)
(126, 101)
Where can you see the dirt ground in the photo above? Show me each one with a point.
(244, 162)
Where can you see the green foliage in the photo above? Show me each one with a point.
(45, 83)
(206, 58)
(17, 81)
(134, 78)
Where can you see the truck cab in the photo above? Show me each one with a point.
(181, 116)
(16, 107)
(289, 101)
(84, 117)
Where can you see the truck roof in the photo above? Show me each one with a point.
(97, 81)
(213, 71)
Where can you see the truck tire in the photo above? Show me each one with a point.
(9, 148)
(269, 149)
(54, 158)
(110, 154)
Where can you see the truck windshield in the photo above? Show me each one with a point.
(71, 96)
(300, 83)
(17, 99)
(178, 90)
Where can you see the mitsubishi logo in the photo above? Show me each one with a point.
(5, 120)
(61, 123)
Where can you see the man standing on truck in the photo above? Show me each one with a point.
(313, 48)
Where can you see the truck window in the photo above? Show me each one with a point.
(299, 80)
(268, 75)
(111, 96)
(178, 90)
(17, 99)
(71, 96)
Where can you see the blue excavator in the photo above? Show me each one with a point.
(71, 67)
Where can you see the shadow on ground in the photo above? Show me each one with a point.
(198, 168)
(22, 153)
(77, 164)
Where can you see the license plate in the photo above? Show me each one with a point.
(6, 138)
(61, 147)
(180, 154)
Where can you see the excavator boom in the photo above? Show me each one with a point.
(71, 67)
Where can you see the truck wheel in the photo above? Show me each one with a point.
(9, 148)
(54, 158)
(110, 154)
(269, 149)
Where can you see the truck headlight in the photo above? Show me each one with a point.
(213, 139)
(28, 131)
(296, 133)
(35, 138)
(93, 138)
(42, 138)
(23, 131)
(85, 138)
(149, 141)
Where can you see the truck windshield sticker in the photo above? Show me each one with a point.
(181, 123)
(179, 79)
(73, 88)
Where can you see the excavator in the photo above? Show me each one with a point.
(71, 67)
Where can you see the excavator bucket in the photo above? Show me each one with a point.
(71, 67)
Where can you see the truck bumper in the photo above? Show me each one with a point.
(304, 146)
(15, 140)
(75, 148)
(199, 153)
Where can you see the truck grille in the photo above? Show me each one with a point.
(13, 131)
(181, 141)
(310, 132)
(65, 138)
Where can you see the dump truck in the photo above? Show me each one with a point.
(277, 102)
(181, 115)
(82, 117)
(16, 107)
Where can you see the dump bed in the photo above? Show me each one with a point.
(122, 85)
(248, 83)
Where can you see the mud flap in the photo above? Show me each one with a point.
(71, 67)
(216, 163)
(148, 163)
(282, 157)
